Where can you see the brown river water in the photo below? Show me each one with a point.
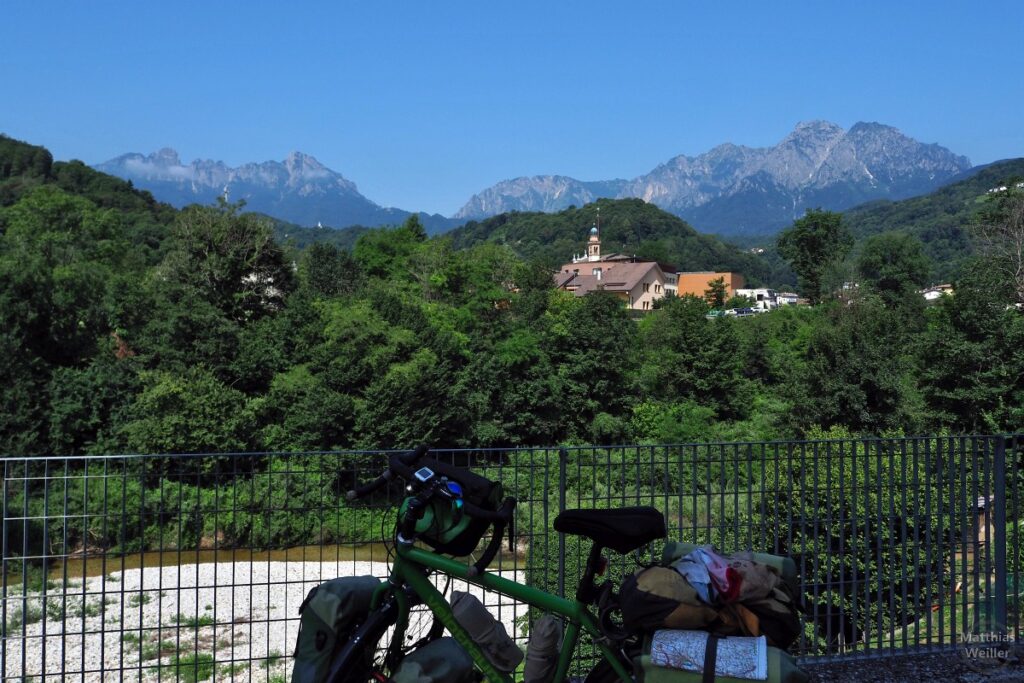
(79, 567)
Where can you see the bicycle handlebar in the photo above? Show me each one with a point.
(501, 518)
(403, 465)
(398, 463)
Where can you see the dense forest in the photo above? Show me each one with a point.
(128, 326)
(940, 220)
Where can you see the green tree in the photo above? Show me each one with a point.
(300, 412)
(328, 271)
(591, 344)
(999, 233)
(88, 405)
(230, 259)
(739, 302)
(385, 252)
(513, 393)
(972, 356)
(715, 293)
(191, 412)
(812, 245)
(688, 357)
(56, 259)
(857, 373)
(894, 265)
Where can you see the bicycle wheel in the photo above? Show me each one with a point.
(368, 647)
(359, 657)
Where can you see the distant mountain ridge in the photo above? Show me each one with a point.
(733, 189)
(730, 189)
(299, 189)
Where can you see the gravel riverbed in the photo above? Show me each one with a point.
(215, 621)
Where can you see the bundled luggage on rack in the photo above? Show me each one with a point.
(714, 618)
(699, 657)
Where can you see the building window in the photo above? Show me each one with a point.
(647, 305)
(657, 289)
(647, 286)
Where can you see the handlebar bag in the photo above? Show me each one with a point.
(326, 617)
(445, 526)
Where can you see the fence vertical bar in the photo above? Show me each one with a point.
(1015, 450)
(879, 541)
(563, 463)
(929, 464)
(43, 588)
(999, 506)
(3, 568)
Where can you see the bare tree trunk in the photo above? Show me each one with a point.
(1001, 240)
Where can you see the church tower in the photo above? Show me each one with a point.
(594, 243)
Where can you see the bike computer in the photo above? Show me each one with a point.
(424, 474)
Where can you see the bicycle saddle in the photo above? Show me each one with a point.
(621, 529)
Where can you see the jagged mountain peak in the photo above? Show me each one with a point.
(816, 127)
(306, 163)
(733, 188)
(537, 193)
(298, 189)
(166, 156)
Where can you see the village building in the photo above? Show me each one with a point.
(636, 282)
(696, 284)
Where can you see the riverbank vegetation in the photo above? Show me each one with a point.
(130, 327)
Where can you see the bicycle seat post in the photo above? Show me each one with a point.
(587, 591)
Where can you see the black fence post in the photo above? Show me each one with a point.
(563, 463)
(999, 509)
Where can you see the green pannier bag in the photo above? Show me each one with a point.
(326, 617)
(439, 661)
(776, 665)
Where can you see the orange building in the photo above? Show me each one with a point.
(697, 283)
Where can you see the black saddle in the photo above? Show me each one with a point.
(621, 529)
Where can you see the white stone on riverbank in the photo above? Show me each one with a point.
(238, 620)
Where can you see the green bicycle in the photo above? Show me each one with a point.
(450, 509)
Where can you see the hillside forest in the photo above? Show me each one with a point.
(129, 326)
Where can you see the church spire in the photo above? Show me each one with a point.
(594, 243)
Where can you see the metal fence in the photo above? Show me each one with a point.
(193, 567)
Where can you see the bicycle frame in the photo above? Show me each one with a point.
(408, 570)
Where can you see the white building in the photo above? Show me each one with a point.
(764, 299)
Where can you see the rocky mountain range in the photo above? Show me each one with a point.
(299, 189)
(734, 189)
(730, 190)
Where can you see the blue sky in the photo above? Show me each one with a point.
(422, 104)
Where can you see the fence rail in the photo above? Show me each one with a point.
(192, 567)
